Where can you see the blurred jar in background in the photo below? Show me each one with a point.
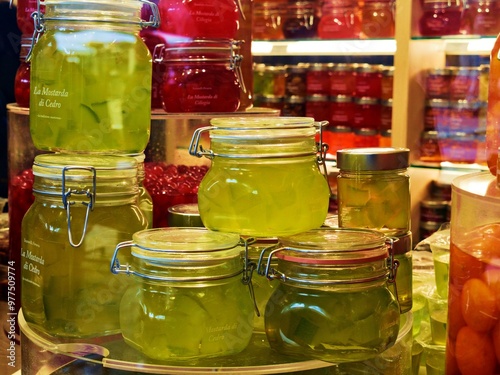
(22, 78)
(24, 20)
(377, 18)
(339, 20)
(481, 17)
(301, 20)
(267, 21)
(440, 17)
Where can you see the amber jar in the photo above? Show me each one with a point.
(267, 20)
(429, 147)
(387, 82)
(294, 106)
(377, 19)
(300, 20)
(340, 19)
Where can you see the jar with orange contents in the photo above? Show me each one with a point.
(377, 19)
(267, 20)
(473, 335)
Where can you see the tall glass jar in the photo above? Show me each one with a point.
(264, 179)
(373, 189)
(83, 206)
(333, 301)
(189, 296)
(91, 78)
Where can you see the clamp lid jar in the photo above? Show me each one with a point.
(333, 302)
(189, 297)
(264, 171)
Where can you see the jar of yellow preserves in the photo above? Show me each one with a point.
(333, 300)
(84, 205)
(265, 178)
(190, 297)
(91, 77)
(373, 189)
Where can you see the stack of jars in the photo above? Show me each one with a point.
(202, 56)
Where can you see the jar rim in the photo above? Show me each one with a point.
(373, 158)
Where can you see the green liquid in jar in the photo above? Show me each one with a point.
(67, 291)
(263, 198)
(172, 323)
(381, 204)
(404, 282)
(90, 92)
(441, 272)
(337, 327)
(438, 326)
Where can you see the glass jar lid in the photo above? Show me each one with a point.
(373, 158)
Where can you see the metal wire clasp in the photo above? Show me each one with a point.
(393, 265)
(90, 194)
(154, 18)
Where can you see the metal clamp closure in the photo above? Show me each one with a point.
(248, 268)
(67, 204)
(393, 265)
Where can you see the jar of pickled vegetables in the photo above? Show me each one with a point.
(373, 189)
(265, 177)
(189, 296)
(202, 75)
(333, 301)
(473, 290)
(83, 206)
(91, 77)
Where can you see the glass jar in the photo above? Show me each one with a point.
(267, 21)
(184, 215)
(333, 302)
(300, 20)
(401, 247)
(296, 80)
(437, 83)
(189, 297)
(22, 78)
(201, 76)
(387, 83)
(68, 237)
(338, 137)
(440, 17)
(377, 19)
(91, 78)
(480, 17)
(318, 79)
(264, 171)
(366, 137)
(341, 110)
(464, 83)
(340, 19)
(342, 77)
(367, 113)
(464, 116)
(368, 81)
(25, 9)
(430, 150)
(437, 115)
(386, 114)
(269, 79)
(459, 147)
(373, 189)
(294, 106)
(318, 107)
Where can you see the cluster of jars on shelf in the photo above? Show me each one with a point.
(356, 99)
(323, 19)
(455, 114)
(459, 17)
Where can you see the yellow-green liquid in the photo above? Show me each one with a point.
(267, 199)
(172, 323)
(68, 291)
(90, 92)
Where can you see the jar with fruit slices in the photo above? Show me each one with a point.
(265, 177)
(332, 302)
(189, 297)
(83, 206)
(91, 77)
(374, 189)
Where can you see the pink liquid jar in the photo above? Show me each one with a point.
(440, 17)
(339, 20)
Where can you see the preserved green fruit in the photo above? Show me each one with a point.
(90, 91)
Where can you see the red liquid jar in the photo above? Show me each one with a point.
(437, 83)
(339, 20)
(366, 138)
(201, 76)
(318, 79)
(377, 19)
(300, 20)
(482, 17)
(366, 113)
(267, 21)
(24, 20)
(368, 81)
(387, 82)
(22, 78)
(437, 115)
(341, 110)
(464, 83)
(386, 114)
(338, 137)
(317, 107)
(342, 79)
(440, 17)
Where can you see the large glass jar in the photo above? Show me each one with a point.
(340, 19)
(373, 189)
(264, 180)
(267, 19)
(440, 17)
(91, 78)
(84, 205)
(378, 19)
(189, 298)
(333, 301)
(300, 20)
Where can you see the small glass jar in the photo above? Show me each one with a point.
(296, 80)
(189, 297)
(387, 83)
(377, 19)
(83, 206)
(318, 79)
(333, 302)
(184, 215)
(440, 17)
(464, 83)
(430, 150)
(437, 83)
(91, 78)
(481, 17)
(22, 78)
(366, 113)
(342, 77)
(340, 19)
(300, 20)
(437, 115)
(318, 107)
(366, 137)
(264, 171)
(368, 81)
(201, 76)
(386, 114)
(459, 147)
(385, 138)
(267, 21)
(341, 110)
(433, 210)
(373, 189)
(294, 106)
(464, 116)
(338, 137)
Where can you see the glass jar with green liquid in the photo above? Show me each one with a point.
(91, 77)
(84, 205)
(189, 297)
(333, 300)
(265, 178)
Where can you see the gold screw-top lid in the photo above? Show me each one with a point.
(184, 215)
